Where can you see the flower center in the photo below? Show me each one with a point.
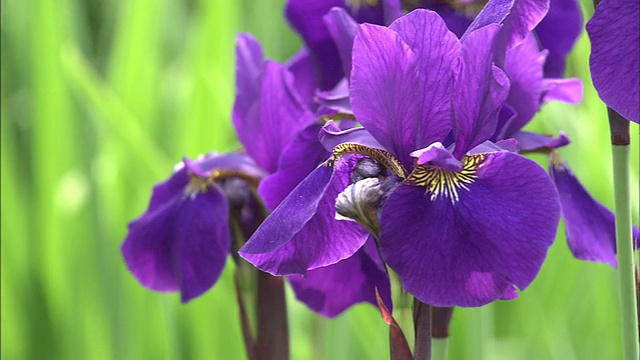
(446, 183)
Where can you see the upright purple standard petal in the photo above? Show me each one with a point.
(183, 239)
(306, 18)
(524, 66)
(436, 49)
(386, 89)
(268, 112)
(589, 225)
(463, 239)
(480, 91)
(331, 290)
(302, 233)
(342, 28)
(614, 61)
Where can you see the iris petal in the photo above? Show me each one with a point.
(329, 292)
(181, 242)
(471, 251)
(589, 225)
(302, 233)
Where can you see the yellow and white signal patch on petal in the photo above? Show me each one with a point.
(441, 182)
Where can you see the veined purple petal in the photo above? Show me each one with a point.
(267, 120)
(558, 32)
(480, 91)
(565, 90)
(302, 233)
(298, 159)
(589, 225)
(436, 49)
(384, 80)
(615, 65)
(342, 28)
(517, 17)
(494, 12)
(329, 292)
(182, 241)
(469, 251)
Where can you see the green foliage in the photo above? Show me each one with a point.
(101, 98)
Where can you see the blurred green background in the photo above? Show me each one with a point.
(101, 98)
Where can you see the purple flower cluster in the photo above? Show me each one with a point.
(389, 140)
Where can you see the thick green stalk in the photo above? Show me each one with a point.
(440, 348)
(624, 241)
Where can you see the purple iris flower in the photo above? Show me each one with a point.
(306, 17)
(614, 61)
(462, 224)
(280, 129)
(182, 241)
(557, 32)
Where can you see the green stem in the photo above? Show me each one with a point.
(627, 289)
(440, 348)
(482, 340)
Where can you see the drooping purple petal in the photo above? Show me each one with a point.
(342, 28)
(558, 32)
(266, 120)
(470, 251)
(480, 91)
(614, 61)
(302, 233)
(182, 241)
(384, 80)
(565, 90)
(530, 142)
(329, 292)
(298, 159)
(589, 225)
(436, 49)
